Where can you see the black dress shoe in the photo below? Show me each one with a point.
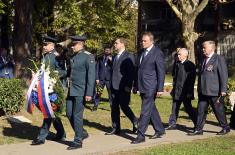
(85, 136)
(223, 131)
(196, 132)
(171, 127)
(157, 135)
(74, 146)
(113, 132)
(138, 140)
(37, 142)
(59, 137)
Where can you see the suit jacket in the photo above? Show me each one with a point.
(123, 71)
(184, 79)
(213, 78)
(82, 74)
(104, 69)
(151, 72)
(6, 68)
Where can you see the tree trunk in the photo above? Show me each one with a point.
(187, 12)
(189, 35)
(5, 27)
(23, 37)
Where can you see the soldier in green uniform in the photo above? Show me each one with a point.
(81, 87)
(49, 59)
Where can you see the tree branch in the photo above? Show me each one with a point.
(201, 6)
(175, 9)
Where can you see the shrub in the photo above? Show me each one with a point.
(231, 88)
(231, 71)
(11, 96)
(231, 84)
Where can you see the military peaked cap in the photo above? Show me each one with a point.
(78, 38)
(46, 38)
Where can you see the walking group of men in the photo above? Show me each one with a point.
(123, 73)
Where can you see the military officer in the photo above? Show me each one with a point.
(81, 87)
(49, 59)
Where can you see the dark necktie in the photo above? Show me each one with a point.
(105, 60)
(116, 59)
(143, 55)
(204, 63)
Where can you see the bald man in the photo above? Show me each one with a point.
(183, 88)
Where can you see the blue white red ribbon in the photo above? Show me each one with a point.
(43, 95)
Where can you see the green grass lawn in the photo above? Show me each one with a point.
(94, 122)
(212, 146)
(168, 78)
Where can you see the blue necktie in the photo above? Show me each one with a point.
(143, 55)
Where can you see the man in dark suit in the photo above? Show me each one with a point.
(104, 73)
(183, 88)
(212, 87)
(151, 74)
(122, 81)
(81, 87)
(49, 59)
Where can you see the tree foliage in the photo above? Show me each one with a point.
(2, 5)
(100, 20)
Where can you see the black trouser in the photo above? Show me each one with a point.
(44, 130)
(232, 119)
(149, 112)
(188, 108)
(122, 99)
(217, 107)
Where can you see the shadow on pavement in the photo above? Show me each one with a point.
(96, 125)
(21, 130)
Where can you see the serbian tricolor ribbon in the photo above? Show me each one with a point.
(43, 95)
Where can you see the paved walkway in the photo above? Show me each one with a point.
(104, 144)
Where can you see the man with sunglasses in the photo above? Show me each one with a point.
(81, 87)
(49, 59)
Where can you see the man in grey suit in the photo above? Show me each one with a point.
(151, 74)
(121, 85)
(212, 87)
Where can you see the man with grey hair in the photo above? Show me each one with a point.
(183, 88)
(212, 87)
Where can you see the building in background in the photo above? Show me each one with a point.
(217, 21)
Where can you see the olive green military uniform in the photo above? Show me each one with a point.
(49, 60)
(82, 81)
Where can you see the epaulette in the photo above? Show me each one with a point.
(86, 52)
